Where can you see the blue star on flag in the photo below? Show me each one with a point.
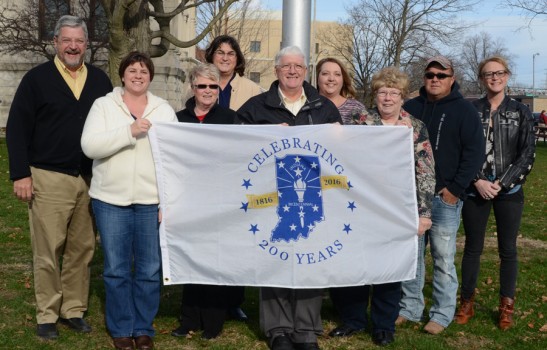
(347, 228)
(351, 205)
(244, 206)
(254, 228)
(247, 183)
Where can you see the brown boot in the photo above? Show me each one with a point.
(465, 311)
(506, 313)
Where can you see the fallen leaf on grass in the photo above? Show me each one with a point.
(543, 328)
(526, 314)
(531, 325)
(489, 280)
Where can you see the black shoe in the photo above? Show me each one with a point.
(282, 342)
(306, 346)
(343, 331)
(77, 324)
(47, 331)
(181, 332)
(208, 335)
(383, 338)
(235, 313)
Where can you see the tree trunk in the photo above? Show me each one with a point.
(129, 31)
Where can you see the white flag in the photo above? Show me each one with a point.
(299, 207)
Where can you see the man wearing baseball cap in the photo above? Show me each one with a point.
(457, 139)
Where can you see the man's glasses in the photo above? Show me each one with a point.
(490, 75)
(287, 67)
(205, 86)
(221, 53)
(440, 76)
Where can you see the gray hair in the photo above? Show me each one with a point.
(290, 51)
(204, 70)
(70, 21)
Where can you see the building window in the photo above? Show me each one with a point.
(49, 12)
(97, 25)
(255, 46)
(255, 76)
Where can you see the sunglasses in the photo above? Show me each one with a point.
(205, 86)
(440, 76)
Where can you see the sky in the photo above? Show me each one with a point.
(494, 18)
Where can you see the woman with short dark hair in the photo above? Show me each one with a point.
(125, 200)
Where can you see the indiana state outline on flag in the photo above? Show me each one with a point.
(298, 207)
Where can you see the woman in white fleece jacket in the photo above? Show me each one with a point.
(125, 200)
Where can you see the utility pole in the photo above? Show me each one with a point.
(296, 25)
(534, 72)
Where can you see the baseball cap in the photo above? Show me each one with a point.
(443, 61)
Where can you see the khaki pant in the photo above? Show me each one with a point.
(63, 242)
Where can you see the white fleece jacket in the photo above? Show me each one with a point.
(123, 167)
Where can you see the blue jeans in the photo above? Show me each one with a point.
(132, 279)
(442, 236)
(412, 298)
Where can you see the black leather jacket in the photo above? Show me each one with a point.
(514, 141)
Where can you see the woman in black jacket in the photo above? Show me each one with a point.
(510, 150)
(204, 307)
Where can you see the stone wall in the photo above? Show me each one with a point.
(168, 83)
(12, 70)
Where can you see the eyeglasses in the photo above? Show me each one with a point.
(287, 67)
(390, 93)
(221, 53)
(440, 76)
(205, 86)
(67, 41)
(490, 75)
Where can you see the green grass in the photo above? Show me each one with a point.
(17, 309)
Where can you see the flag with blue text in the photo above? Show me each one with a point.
(299, 207)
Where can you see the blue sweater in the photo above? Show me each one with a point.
(456, 135)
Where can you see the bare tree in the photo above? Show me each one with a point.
(128, 23)
(21, 32)
(473, 50)
(531, 9)
(398, 32)
(354, 43)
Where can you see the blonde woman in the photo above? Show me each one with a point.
(510, 148)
